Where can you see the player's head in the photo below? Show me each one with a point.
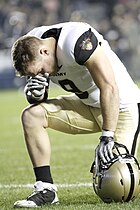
(24, 52)
(32, 56)
(119, 181)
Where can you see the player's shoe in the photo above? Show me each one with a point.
(43, 194)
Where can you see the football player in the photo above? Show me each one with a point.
(104, 98)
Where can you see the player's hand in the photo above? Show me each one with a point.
(36, 86)
(104, 149)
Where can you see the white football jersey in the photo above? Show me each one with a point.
(72, 75)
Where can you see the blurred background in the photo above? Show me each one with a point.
(117, 20)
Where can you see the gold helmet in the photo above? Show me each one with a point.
(119, 180)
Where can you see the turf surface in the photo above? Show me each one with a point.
(70, 162)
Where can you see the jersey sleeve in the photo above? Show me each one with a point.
(85, 46)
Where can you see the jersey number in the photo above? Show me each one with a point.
(69, 86)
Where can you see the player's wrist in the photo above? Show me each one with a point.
(107, 133)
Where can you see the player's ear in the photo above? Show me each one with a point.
(44, 51)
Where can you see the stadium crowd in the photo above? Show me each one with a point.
(117, 20)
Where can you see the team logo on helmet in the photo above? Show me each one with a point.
(86, 44)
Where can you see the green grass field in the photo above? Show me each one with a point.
(70, 163)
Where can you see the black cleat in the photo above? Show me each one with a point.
(43, 194)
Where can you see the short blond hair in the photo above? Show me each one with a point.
(24, 51)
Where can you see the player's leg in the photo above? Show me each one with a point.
(38, 144)
(128, 128)
(34, 125)
(67, 114)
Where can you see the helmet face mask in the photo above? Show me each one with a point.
(119, 180)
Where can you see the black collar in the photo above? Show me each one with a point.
(54, 32)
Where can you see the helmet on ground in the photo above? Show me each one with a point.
(119, 181)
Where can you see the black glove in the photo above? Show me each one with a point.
(104, 149)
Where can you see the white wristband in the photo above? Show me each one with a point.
(107, 133)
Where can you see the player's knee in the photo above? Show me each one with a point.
(32, 115)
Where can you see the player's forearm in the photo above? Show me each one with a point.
(110, 107)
